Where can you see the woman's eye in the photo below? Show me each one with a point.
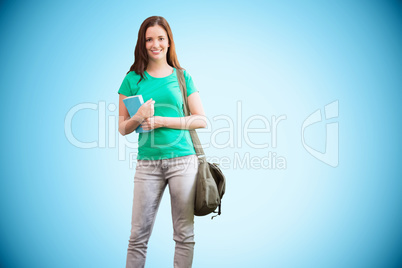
(161, 38)
(148, 40)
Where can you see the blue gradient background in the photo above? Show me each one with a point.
(63, 206)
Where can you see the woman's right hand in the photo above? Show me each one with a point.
(147, 109)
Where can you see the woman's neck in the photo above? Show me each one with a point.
(159, 69)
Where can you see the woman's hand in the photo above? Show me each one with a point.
(152, 123)
(147, 109)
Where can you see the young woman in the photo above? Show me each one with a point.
(166, 155)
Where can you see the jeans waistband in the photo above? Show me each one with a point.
(169, 161)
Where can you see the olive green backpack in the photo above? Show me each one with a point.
(211, 183)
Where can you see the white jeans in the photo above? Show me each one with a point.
(151, 178)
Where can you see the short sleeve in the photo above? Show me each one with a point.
(125, 88)
(189, 84)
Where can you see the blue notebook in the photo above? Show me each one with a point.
(133, 103)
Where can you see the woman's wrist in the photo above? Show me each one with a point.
(162, 121)
(137, 117)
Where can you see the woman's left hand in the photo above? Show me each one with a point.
(152, 123)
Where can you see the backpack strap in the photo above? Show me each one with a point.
(218, 212)
(194, 136)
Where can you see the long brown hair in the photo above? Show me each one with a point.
(140, 54)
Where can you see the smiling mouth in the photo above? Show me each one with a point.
(156, 51)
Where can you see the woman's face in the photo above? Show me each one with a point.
(156, 43)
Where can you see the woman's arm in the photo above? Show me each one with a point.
(127, 124)
(197, 118)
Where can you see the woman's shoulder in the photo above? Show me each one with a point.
(133, 77)
(189, 83)
(129, 86)
(186, 74)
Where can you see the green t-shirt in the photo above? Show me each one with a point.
(161, 143)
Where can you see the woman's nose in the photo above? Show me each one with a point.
(155, 44)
